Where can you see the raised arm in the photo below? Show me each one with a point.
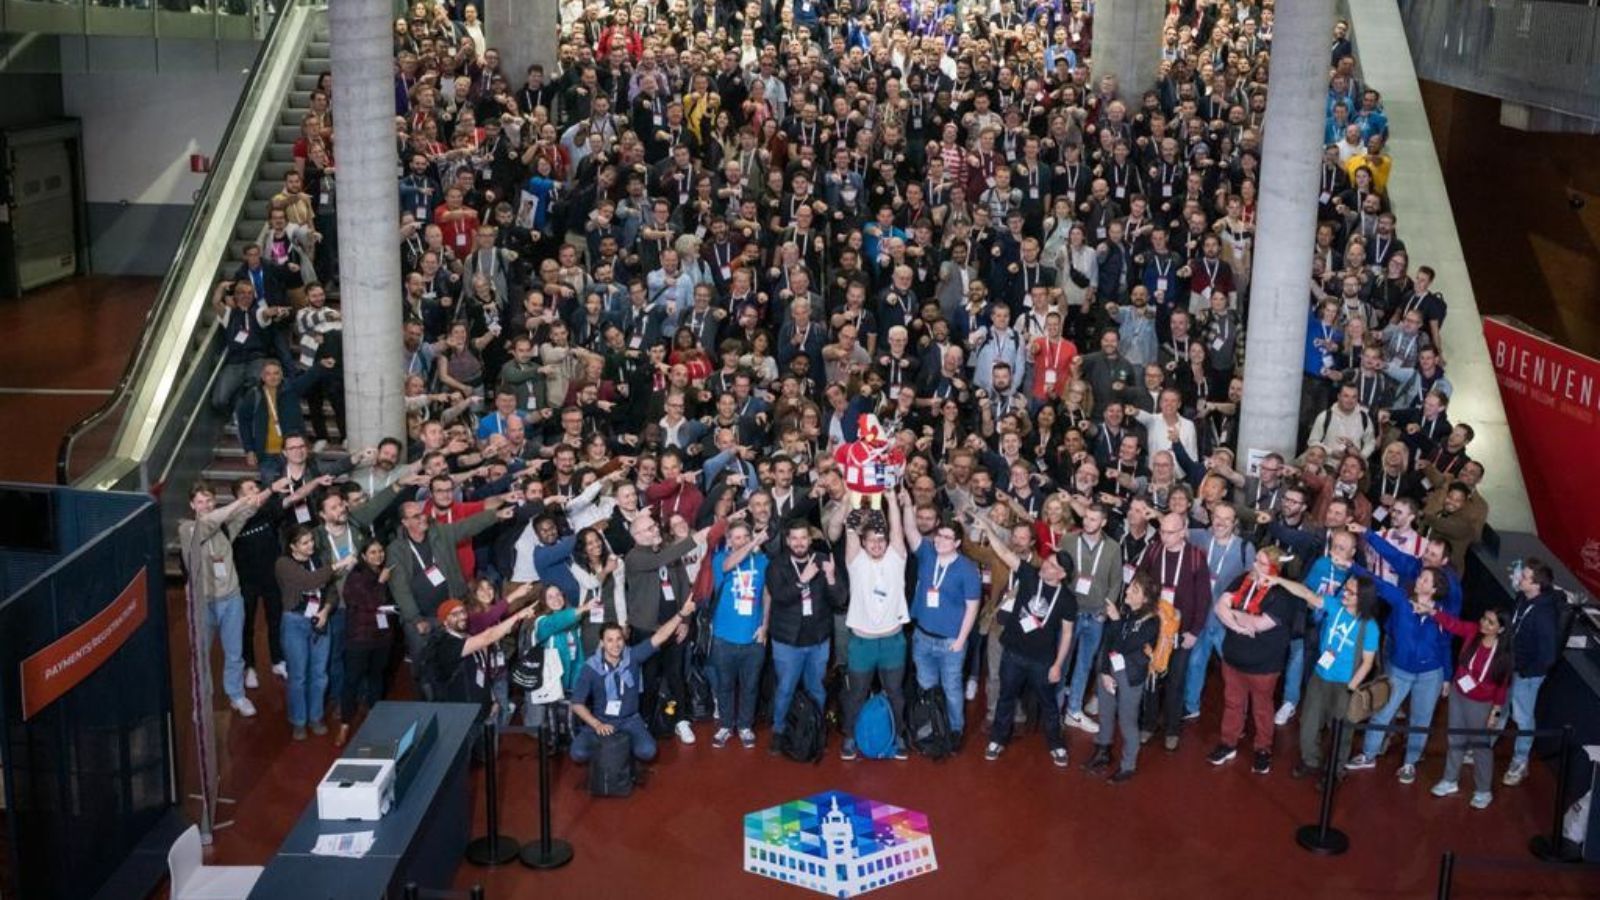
(898, 513)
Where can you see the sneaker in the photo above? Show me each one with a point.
(747, 737)
(1515, 774)
(1481, 799)
(685, 732)
(243, 707)
(1123, 776)
(1145, 736)
(1221, 754)
(972, 689)
(1191, 715)
(720, 739)
(993, 751)
(901, 753)
(1359, 762)
(1407, 773)
(1467, 760)
(1445, 789)
(847, 751)
(251, 682)
(1262, 763)
(1300, 770)
(1171, 742)
(1059, 757)
(1081, 722)
(1283, 715)
(299, 733)
(318, 728)
(1099, 761)
(280, 670)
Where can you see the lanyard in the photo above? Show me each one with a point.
(1213, 566)
(1094, 564)
(414, 552)
(939, 572)
(1173, 582)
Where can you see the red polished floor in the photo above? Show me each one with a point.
(66, 347)
(1018, 827)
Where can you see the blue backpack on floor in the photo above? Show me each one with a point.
(875, 728)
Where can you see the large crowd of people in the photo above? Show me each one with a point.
(651, 288)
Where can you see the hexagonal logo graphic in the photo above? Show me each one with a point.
(838, 844)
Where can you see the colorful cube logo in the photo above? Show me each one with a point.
(838, 844)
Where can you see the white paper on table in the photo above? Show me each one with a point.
(354, 844)
(1577, 642)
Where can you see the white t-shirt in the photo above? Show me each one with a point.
(878, 594)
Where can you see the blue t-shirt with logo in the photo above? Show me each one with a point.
(1344, 638)
(958, 584)
(739, 597)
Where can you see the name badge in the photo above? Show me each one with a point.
(383, 622)
(1121, 192)
(1323, 198)
(1081, 586)
(302, 513)
(933, 599)
(1033, 193)
(1029, 624)
(1327, 361)
(1117, 662)
(1218, 344)
(597, 615)
(1325, 661)
(422, 214)
(1100, 233)
(1128, 572)
(1050, 377)
(613, 708)
(1380, 514)
(744, 605)
(434, 576)
(219, 568)
(1161, 284)
(533, 400)
(1166, 190)
(805, 606)
(667, 593)
(1169, 595)
(479, 677)
(239, 337)
(461, 239)
(1466, 683)
(312, 608)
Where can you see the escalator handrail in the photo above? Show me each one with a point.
(171, 284)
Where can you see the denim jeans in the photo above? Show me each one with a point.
(1210, 643)
(585, 742)
(305, 653)
(794, 666)
(226, 618)
(1524, 695)
(1424, 690)
(737, 667)
(1086, 641)
(1294, 674)
(336, 672)
(937, 664)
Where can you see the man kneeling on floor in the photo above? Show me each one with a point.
(606, 699)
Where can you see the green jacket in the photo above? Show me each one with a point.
(442, 538)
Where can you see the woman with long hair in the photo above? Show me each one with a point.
(600, 586)
(1481, 684)
(1123, 662)
(553, 625)
(367, 637)
(302, 582)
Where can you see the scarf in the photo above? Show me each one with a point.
(1250, 595)
(616, 680)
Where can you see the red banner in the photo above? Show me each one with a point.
(69, 659)
(1552, 400)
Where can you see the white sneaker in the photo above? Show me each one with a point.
(280, 670)
(1515, 774)
(1407, 774)
(1481, 800)
(972, 688)
(720, 738)
(1359, 762)
(244, 707)
(1283, 715)
(251, 682)
(685, 732)
(1445, 789)
(1081, 722)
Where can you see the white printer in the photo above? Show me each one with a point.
(361, 789)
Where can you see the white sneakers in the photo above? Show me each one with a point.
(1359, 762)
(1515, 774)
(685, 732)
(1481, 800)
(251, 682)
(280, 670)
(719, 739)
(1283, 715)
(1445, 789)
(1081, 722)
(243, 707)
(972, 688)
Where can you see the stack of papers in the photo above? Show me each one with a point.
(353, 844)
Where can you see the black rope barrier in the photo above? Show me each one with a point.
(494, 848)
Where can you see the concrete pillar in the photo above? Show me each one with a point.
(1127, 44)
(1280, 292)
(525, 32)
(368, 213)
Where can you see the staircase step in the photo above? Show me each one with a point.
(256, 209)
(291, 116)
(300, 99)
(236, 248)
(275, 171)
(249, 229)
(315, 66)
(319, 50)
(286, 134)
(305, 82)
(264, 190)
(281, 151)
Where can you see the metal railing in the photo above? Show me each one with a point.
(150, 405)
(1540, 53)
(188, 19)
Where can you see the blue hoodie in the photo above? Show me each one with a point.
(1417, 644)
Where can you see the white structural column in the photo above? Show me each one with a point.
(1127, 43)
(524, 32)
(368, 208)
(1280, 291)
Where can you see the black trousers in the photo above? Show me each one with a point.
(665, 670)
(255, 595)
(1163, 706)
(364, 669)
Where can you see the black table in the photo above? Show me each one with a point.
(421, 839)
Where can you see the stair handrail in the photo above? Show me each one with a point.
(148, 378)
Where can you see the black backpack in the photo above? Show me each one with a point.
(664, 717)
(805, 731)
(928, 724)
(702, 700)
(611, 767)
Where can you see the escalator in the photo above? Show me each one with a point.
(157, 428)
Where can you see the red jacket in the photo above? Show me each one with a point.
(667, 498)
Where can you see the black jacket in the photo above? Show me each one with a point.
(789, 624)
(1535, 633)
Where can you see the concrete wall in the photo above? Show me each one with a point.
(139, 129)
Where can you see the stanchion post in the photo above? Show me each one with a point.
(412, 892)
(477, 892)
(549, 852)
(1322, 837)
(494, 848)
(1447, 872)
(1552, 847)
